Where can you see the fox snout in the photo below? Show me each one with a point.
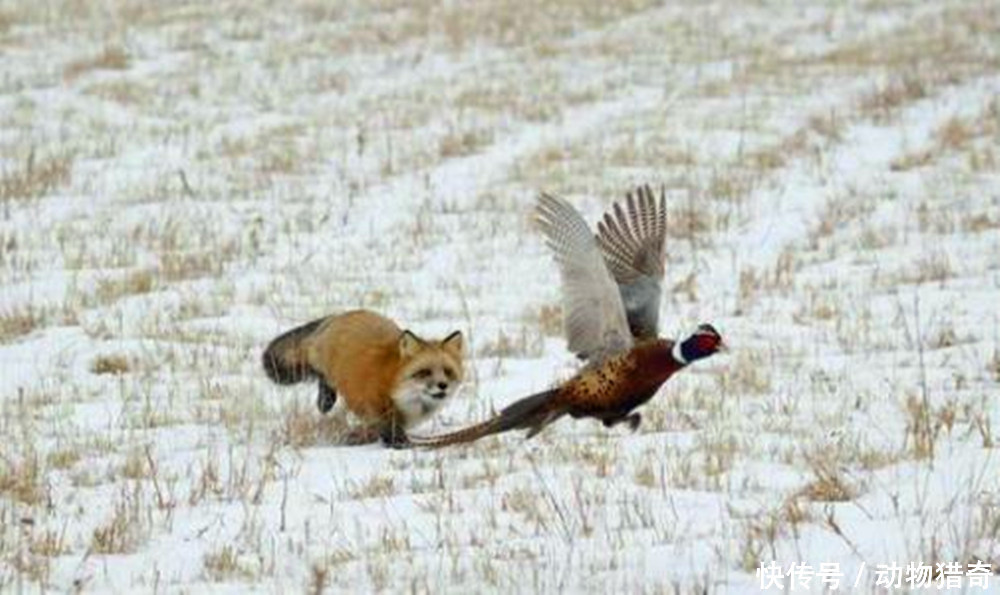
(438, 390)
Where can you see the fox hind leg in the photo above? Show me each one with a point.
(326, 397)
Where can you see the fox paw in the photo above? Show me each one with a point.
(398, 444)
(394, 437)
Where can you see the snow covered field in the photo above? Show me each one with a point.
(181, 181)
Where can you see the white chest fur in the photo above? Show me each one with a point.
(415, 404)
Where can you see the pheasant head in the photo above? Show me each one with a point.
(703, 342)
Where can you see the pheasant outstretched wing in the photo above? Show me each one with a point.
(632, 237)
(593, 315)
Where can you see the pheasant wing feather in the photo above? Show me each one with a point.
(632, 237)
(593, 314)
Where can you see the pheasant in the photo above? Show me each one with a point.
(611, 287)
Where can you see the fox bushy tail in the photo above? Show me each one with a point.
(532, 413)
(285, 360)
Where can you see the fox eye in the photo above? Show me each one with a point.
(449, 373)
(422, 373)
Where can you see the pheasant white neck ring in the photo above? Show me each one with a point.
(678, 354)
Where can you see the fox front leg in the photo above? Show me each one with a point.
(394, 436)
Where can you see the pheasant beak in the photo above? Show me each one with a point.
(723, 347)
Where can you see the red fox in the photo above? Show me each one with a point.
(390, 378)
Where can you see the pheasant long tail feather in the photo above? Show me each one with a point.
(530, 412)
(463, 436)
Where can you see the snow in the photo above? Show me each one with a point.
(831, 173)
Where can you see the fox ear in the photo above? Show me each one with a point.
(453, 342)
(409, 344)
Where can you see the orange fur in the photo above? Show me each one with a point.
(386, 376)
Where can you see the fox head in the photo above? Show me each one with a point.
(431, 371)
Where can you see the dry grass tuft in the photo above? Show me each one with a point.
(303, 426)
(925, 425)
(319, 578)
(134, 283)
(981, 423)
(16, 323)
(225, 565)
(762, 532)
(883, 101)
(110, 364)
(828, 484)
(135, 466)
(747, 373)
(36, 177)
(48, 543)
(933, 268)
(6, 22)
(732, 184)
(125, 92)
(955, 135)
(754, 281)
(112, 57)
(63, 458)
(549, 320)
(127, 527)
(819, 130)
(523, 345)
(22, 478)
(179, 265)
(912, 160)
(459, 143)
(377, 486)
(981, 222)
